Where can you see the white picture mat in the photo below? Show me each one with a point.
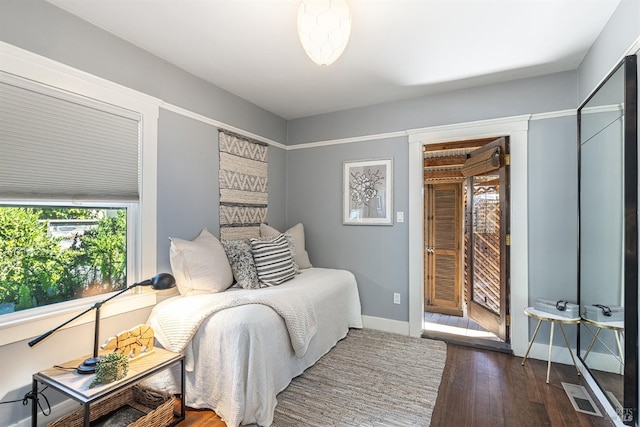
(368, 192)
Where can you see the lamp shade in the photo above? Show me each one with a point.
(162, 281)
(324, 27)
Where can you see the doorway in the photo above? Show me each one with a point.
(466, 239)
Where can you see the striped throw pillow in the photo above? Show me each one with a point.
(274, 263)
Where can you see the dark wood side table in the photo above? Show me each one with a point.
(76, 386)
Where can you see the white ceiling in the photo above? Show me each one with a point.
(398, 48)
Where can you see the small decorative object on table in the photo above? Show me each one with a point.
(560, 308)
(603, 313)
(112, 367)
(137, 341)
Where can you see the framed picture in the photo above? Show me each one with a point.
(367, 192)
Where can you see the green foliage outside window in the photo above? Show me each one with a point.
(39, 268)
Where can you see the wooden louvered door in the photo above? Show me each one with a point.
(443, 248)
(488, 240)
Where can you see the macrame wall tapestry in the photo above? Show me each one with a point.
(243, 186)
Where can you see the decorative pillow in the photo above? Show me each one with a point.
(200, 265)
(242, 265)
(301, 257)
(274, 263)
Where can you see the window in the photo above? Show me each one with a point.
(38, 74)
(69, 190)
(52, 254)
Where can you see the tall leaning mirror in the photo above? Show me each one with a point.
(608, 245)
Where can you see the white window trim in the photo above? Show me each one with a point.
(43, 70)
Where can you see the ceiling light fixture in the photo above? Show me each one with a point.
(324, 27)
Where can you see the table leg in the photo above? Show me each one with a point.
(619, 346)
(550, 347)
(34, 403)
(595, 336)
(531, 342)
(566, 341)
(87, 414)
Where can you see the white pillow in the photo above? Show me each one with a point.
(200, 266)
(300, 255)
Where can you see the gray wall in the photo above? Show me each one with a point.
(377, 255)
(617, 36)
(188, 190)
(553, 222)
(526, 96)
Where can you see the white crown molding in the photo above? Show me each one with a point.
(603, 109)
(363, 138)
(554, 114)
(219, 124)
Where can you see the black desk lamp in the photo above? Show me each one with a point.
(158, 282)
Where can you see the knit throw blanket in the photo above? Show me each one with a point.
(177, 319)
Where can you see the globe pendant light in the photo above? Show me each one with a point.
(324, 27)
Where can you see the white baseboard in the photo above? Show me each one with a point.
(386, 325)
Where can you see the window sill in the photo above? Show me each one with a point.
(21, 326)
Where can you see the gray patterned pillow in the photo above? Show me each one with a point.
(242, 264)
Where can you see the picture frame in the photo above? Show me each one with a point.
(367, 192)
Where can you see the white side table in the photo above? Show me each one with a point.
(616, 327)
(553, 319)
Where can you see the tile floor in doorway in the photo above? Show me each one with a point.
(462, 326)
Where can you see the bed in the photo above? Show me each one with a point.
(239, 358)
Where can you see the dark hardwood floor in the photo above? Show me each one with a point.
(485, 388)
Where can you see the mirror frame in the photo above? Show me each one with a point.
(630, 132)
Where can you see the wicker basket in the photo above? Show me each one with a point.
(157, 405)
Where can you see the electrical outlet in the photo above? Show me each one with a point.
(396, 298)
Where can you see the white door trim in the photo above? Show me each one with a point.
(517, 130)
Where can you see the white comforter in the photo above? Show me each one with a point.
(176, 320)
(241, 357)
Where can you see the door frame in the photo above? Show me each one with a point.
(517, 130)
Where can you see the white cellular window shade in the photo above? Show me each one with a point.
(57, 145)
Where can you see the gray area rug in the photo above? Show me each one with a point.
(370, 378)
